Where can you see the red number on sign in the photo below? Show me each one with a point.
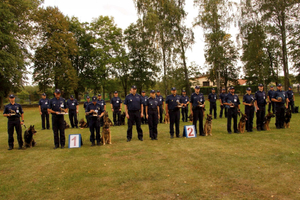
(74, 138)
(190, 133)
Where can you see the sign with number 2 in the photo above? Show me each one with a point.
(75, 141)
(190, 131)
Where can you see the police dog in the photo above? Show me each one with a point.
(83, 124)
(208, 125)
(28, 137)
(287, 118)
(122, 118)
(167, 119)
(267, 120)
(106, 135)
(191, 118)
(242, 123)
(66, 125)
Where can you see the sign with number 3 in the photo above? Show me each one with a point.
(75, 141)
(189, 131)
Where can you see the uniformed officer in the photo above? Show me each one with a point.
(185, 106)
(222, 100)
(43, 107)
(134, 112)
(13, 112)
(291, 98)
(161, 103)
(271, 93)
(72, 105)
(94, 110)
(152, 110)
(103, 105)
(279, 99)
(116, 108)
(144, 100)
(233, 104)
(248, 101)
(197, 109)
(56, 104)
(212, 98)
(260, 104)
(85, 106)
(172, 110)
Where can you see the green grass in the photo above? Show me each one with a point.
(258, 165)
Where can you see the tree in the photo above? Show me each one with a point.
(15, 33)
(56, 46)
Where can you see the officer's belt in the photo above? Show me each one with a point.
(261, 104)
(152, 109)
(133, 110)
(15, 118)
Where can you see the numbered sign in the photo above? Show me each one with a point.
(189, 131)
(75, 141)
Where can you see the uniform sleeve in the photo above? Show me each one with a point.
(203, 100)
(40, 103)
(111, 101)
(121, 100)
(84, 105)
(238, 100)
(87, 109)
(209, 96)
(275, 95)
(188, 99)
(5, 110)
(141, 100)
(77, 102)
(65, 104)
(226, 98)
(191, 100)
(50, 104)
(167, 100)
(256, 96)
(126, 101)
(244, 99)
(21, 110)
(181, 100)
(104, 102)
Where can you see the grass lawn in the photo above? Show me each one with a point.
(258, 165)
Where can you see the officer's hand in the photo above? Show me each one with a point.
(142, 115)
(92, 111)
(120, 109)
(221, 104)
(257, 108)
(76, 111)
(147, 116)
(158, 116)
(127, 116)
(112, 110)
(21, 123)
(250, 104)
(287, 106)
(57, 113)
(191, 112)
(40, 113)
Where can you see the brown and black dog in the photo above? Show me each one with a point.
(208, 126)
(167, 119)
(83, 124)
(122, 118)
(242, 123)
(66, 125)
(287, 118)
(191, 118)
(105, 117)
(267, 120)
(106, 135)
(28, 137)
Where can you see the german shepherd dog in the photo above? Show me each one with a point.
(267, 120)
(66, 125)
(106, 135)
(191, 118)
(83, 124)
(166, 119)
(208, 125)
(287, 118)
(122, 118)
(28, 137)
(242, 123)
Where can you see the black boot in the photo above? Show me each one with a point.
(10, 148)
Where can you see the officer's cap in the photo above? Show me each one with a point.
(260, 85)
(248, 89)
(231, 88)
(94, 99)
(116, 92)
(72, 96)
(143, 91)
(152, 91)
(271, 86)
(197, 87)
(291, 87)
(99, 95)
(57, 91)
(87, 97)
(133, 87)
(157, 91)
(173, 88)
(223, 89)
(44, 94)
(183, 91)
(11, 96)
(279, 84)
(213, 89)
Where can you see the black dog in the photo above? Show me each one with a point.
(28, 137)
(287, 118)
(66, 125)
(122, 118)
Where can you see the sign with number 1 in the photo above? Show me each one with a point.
(75, 141)
(189, 131)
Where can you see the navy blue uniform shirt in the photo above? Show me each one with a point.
(222, 97)
(71, 104)
(56, 104)
(260, 97)
(290, 95)
(86, 104)
(133, 102)
(152, 103)
(280, 94)
(173, 101)
(44, 103)
(248, 98)
(116, 101)
(16, 107)
(160, 99)
(271, 94)
(197, 97)
(232, 99)
(144, 100)
(212, 97)
(97, 108)
(184, 99)
(102, 103)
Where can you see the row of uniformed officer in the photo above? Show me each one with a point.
(13, 112)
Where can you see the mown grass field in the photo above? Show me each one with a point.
(258, 165)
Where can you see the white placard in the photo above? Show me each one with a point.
(75, 141)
